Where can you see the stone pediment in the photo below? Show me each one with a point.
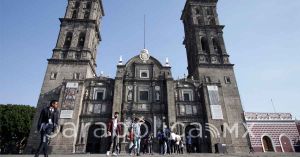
(137, 60)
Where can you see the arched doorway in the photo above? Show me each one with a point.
(95, 144)
(192, 139)
(145, 132)
(267, 144)
(145, 129)
(286, 144)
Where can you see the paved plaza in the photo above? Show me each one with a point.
(190, 155)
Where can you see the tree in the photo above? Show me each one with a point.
(15, 124)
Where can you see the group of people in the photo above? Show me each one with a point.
(134, 137)
(170, 142)
(147, 145)
(139, 144)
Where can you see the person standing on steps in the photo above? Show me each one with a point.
(47, 124)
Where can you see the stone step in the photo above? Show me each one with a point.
(189, 155)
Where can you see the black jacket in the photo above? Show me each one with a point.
(45, 115)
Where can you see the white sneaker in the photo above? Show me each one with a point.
(107, 153)
(114, 154)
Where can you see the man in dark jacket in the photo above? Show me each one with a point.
(47, 124)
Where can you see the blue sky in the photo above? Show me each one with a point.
(262, 38)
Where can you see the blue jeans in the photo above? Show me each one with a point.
(137, 141)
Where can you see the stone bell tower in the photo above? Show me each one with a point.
(73, 58)
(208, 61)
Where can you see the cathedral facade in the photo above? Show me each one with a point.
(205, 103)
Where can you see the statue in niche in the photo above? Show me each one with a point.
(157, 93)
(129, 96)
(157, 96)
(130, 93)
(86, 94)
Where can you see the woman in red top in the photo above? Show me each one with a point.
(130, 138)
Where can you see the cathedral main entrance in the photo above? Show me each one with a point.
(95, 143)
(192, 134)
(145, 132)
(146, 129)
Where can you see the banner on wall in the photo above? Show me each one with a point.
(69, 98)
(66, 114)
(215, 107)
(216, 111)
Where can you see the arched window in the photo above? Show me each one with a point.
(81, 40)
(77, 4)
(212, 21)
(64, 55)
(217, 46)
(78, 55)
(68, 40)
(88, 5)
(267, 144)
(74, 14)
(209, 11)
(200, 21)
(286, 144)
(75, 11)
(204, 45)
(87, 14)
(197, 10)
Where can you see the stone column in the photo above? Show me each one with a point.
(118, 90)
(171, 102)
